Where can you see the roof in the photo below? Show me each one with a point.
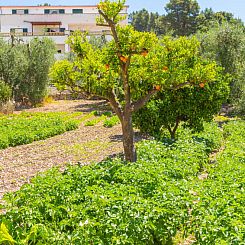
(38, 23)
(53, 6)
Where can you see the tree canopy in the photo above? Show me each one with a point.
(182, 16)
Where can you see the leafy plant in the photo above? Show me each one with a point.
(28, 127)
(112, 121)
(111, 202)
(191, 106)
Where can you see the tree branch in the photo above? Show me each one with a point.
(142, 101)
(115, 104)
(182, 85)
(111, 24)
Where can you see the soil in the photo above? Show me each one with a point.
(84, 145)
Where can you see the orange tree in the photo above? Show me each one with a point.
(189, 105)
(129, 69)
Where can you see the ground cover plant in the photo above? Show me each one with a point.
(219, 214)
(24, 128)
(151, 201)
(109, 120)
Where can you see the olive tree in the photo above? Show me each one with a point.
(25, 67)
(129, 70)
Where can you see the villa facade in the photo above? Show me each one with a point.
(56, 22)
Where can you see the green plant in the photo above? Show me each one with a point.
(112, 121)
(5, 92)
(189, 107)
(113, 202)
(24, 68)
(28, 127)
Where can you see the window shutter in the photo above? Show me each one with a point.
(26, 11)
(14, 11)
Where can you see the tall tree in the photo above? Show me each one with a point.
(225, 43)
(143, 20)
(208, 19)
(140, 19)
(182, 16)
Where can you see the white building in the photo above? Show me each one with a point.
(55, 22)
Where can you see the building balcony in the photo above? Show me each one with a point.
(50, 34)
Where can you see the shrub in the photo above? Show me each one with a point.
(191, 106)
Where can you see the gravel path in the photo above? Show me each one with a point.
(86, 144)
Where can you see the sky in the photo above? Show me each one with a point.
(237, 7)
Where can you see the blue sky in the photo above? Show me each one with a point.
(237, 7)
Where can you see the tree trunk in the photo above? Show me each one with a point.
(128, 138)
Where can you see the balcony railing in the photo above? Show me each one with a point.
(23, 34)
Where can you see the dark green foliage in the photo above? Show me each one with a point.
(208, 19)
(28, 127)
(182, 16)
(144, 21)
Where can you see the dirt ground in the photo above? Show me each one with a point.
(85, 145)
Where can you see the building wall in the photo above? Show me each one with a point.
(40, 9)
(68, 21)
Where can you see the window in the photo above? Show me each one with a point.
(54, 11)
(19, 30)
(77, 11)
(20, 11)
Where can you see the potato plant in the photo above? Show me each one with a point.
(147, 202)
(28, 127)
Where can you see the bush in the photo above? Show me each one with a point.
(191, 106)
(25, 67)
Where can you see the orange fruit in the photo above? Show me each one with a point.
(158, 87)
(165, 68)
(201, 85)
(123, 59)
(107, 66)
